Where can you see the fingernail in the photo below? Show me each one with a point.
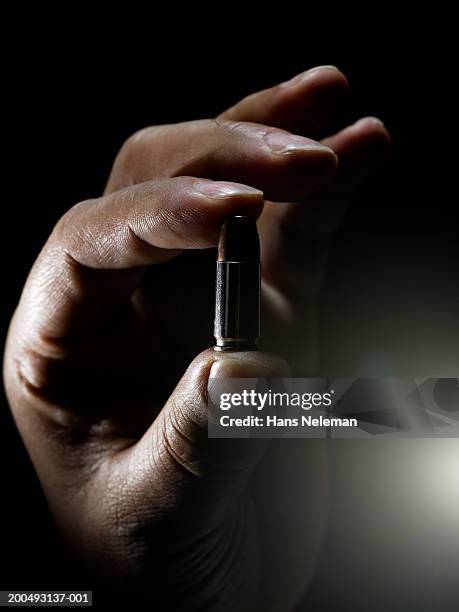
(221, 189)
(250, 364)
(283, 142)
(371, 120)
(308, 73)
(226, 368)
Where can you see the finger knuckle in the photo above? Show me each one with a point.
(72, 234)
(133, 152)
(229, 127)
(182, 434)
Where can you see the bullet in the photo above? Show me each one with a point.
(237, 295)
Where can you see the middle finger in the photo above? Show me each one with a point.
(283, 165)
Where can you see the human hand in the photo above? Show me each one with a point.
(114, 310)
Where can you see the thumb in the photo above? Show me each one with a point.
(200, 478)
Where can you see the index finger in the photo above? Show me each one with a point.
(97, 254)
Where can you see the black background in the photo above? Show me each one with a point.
(76, 89)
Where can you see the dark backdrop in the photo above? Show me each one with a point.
(74, 95)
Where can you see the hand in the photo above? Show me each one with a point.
(121, 298)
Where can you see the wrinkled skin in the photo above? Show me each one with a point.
(118, 304)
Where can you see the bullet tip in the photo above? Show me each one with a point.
(239, 240)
